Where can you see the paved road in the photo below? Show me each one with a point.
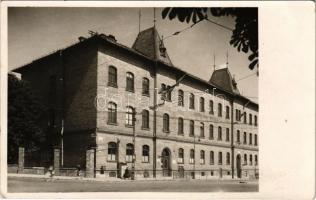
(18, 184)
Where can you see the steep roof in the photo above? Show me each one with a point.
(224, 80)
(149, 43)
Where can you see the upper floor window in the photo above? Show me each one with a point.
(112, 116)
(180, 126)
(202, 130)
(180, 98)
(256, 140)
(219, 137)
(180, 156)
(168, 94)
(202, 157)
(220, 159)
(112, 76)
(202, 109)
(145, 86)
(238, 136)
(129, 82)
(245, 138)
(212, 157)
(227, 158)
(250, 119)
(256, 123)
(129, 116)
(227, 112)
(237, 113)
(256, 160)
(191, 101)
(250, 159)
(165, 122)
(192, 156)
(129, 152)
(211, 132)
(191, 128)
(245, 118)
(227, 134)
(145, 156)
(145, 119)
(211, 107)
(112, 151)
(250, 138)
(219, 109)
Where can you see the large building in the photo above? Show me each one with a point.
(184, 126)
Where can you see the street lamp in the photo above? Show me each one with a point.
(134, 142)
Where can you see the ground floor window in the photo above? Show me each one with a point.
(129, 152)
(145, 157)
(112, 151)
(191, 156)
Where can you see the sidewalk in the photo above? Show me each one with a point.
(122, 180)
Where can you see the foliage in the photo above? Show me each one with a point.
(244, 35)
(24, 113)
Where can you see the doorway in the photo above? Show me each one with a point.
(165, 161)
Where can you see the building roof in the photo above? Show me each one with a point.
(223, 79)
(142, 41)
(149, 43)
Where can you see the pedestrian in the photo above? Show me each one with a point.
(51, 173)
(126, 173)
(78, 170)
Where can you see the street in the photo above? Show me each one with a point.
(19, 184)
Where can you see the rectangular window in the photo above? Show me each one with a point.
(245, 118)
(202, 104)
(227, 112)
(220, 161)
(238, 136)
(191, 128)
(245, 138)
(256, 140)
(250, 138)
(191, 101)
(256, 123)
(211, 107)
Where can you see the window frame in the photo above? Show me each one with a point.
(112, 74)
(145, 87)
(191, 101)
(180, 98)
(112, 113)
(129, 153)
(202, 104)
(180, 126)
(145, 119)
(191, 128)
(111, 157)
(145, 153)
(130, 82)
(166, 123)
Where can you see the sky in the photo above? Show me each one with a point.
(36, 32)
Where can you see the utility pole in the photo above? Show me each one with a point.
(134, 143)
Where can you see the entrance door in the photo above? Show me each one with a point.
(165, 160)
(238, 166)
(181, 172)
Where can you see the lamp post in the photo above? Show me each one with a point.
(134, 143)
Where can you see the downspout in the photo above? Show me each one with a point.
(155, 112)
(232, 137)
(62, 106)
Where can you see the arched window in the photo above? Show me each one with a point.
(256, 160)
(219, 136)
(256, 123)
(192, 156)
(227, 158)
(256, 140)
(211, 132)
(245, 117)
(191, 101)
(202, 157)
(245, 159)
(112, 150)
(191, 128)
(129, 152)
(180, 156)
(212, 157)
(227, 112)
(145, 157)
(245, 138)
(180, 98)
(202, 130)
(165, 122)
(145, 119)
(211, 105)
(250, 138)
(129, 116)
(250, 119)
(219, 109)
(112, 76)
(238, 136)
(180, 126)
(227, 134)
(202, 109)
(129, 82)
(112, 113)
(220, 159)
(169, 93)
(250, 159)
(145, 86)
